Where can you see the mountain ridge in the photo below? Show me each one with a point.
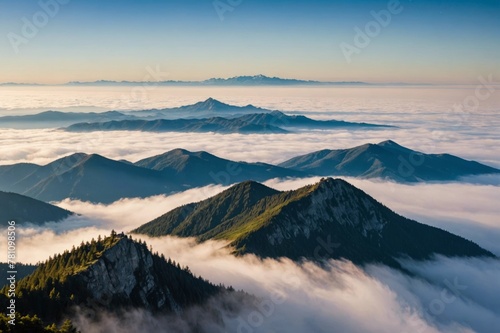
(294, 224)
(243, 80)
(388, 160)
(92, 177)
(112, 274)
(76, 175)
(268, 122)
(23, 209)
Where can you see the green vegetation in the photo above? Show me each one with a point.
(297, 224)
(231, 215)
(33, 324)
(57, 285)
(57, 270)
(53, 287)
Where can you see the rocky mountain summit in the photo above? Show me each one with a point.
(113, 274)
(328, 220)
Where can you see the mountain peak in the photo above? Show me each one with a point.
(177, 151)
(213, 101)
(251, 185)
(330, 182)
(386, 160)
(389, 143)
(248, 192)
(96, 159)
(65, 163)
(115, 272)
(286, 224)
(210, 104)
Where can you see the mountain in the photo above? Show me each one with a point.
(260, 80)
(387, 160)
(216, 124)
(85, 177)
(96, 178)
(249, 80)
(111, 274)
(201, 168)
(58, 118)
(99, 179)
(270, 122)
(330, 219)
(277, 118)
(215, 106)
(22, 209)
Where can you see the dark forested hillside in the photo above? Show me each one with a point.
(112, 274)
(330, 219)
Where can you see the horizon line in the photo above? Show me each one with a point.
(217, 81)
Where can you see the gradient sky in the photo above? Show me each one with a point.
(449, 41)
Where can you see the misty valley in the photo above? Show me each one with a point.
(304, 234)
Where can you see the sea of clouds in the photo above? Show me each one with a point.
(444, 295)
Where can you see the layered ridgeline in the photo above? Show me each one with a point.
(98, 179)
(22, 209)
(330, 219)
(113, 274)
(85, 177)
(207, 108)
(387, 160)
(270, 122)
(245, 80)
(58, 118)
(210, 115)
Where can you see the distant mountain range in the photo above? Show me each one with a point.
(115, 274)
(330, 219)
(387, 160)
(252, 80)
(207, 108)
(22, 209)
(99, 179)
(205, 116)
(58, 118)
(242, 80)
(273, 122)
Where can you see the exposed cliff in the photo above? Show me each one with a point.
(113, 274)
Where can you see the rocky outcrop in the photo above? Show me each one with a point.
(125, 273)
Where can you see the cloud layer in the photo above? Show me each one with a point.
(445, 295)
(449, 295)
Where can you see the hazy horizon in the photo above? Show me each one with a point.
(375, 41)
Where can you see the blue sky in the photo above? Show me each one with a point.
(428, 41)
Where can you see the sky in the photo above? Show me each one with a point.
(56, 41)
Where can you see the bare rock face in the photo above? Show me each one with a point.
(125, 273)
(332, 202)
